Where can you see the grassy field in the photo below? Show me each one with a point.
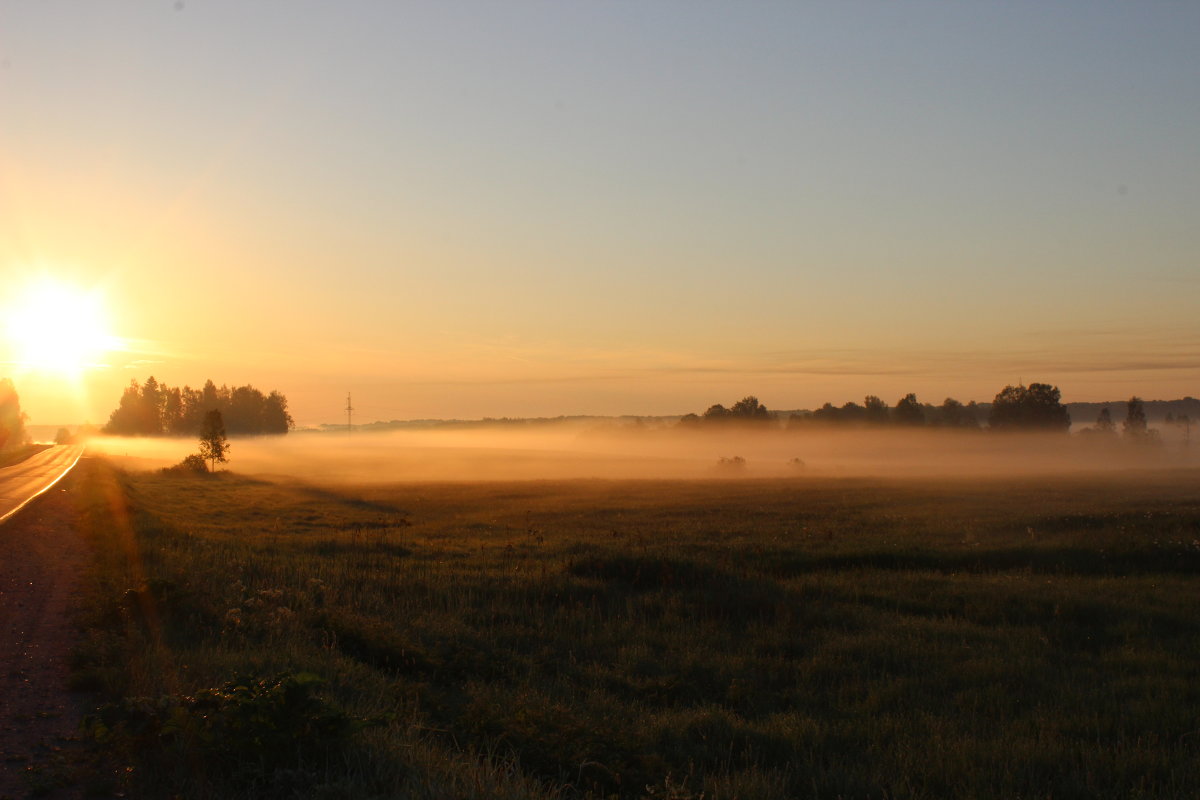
(814, 638)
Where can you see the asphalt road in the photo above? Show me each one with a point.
(22, 482)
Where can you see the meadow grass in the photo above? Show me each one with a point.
(814, 638)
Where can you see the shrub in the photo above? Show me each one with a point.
(190, 465)
(732, 465)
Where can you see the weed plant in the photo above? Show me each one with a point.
(813, 638)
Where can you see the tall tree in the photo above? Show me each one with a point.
(1034, 407)
(192, 413)
(210, 396)
(1134, 425)
(214, 447)
(12, 419)
(826, 414)
(876, 410)
(908, 411)
(126, 418)
(749, 409)
(851, 413)
(152, 408)
(172, 413)
(243, 412)
(716, 413)
(275, 416)
(952, 414)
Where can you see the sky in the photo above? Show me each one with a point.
(478, 209)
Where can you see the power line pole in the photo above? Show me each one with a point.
(349, 412)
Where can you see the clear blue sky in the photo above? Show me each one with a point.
(467, 209)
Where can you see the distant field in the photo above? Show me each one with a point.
(811, 637)
(573, 451)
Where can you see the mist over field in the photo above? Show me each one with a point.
(577, 451)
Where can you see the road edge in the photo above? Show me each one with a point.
(5, 518)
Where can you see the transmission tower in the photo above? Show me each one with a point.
(349, 414)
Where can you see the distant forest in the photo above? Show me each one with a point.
(155, 409)
(1037, 406)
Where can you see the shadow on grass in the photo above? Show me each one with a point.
(324, 495)
(709, 592)
(337, 547)
(1050, 561)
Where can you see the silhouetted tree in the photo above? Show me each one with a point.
(192, 410)
(125, 420)
(1134, 425)
(876, 411)
(950, 413)
(12, 419)
(1036, 407)
(151, 408)
(852, 414)
(213, 444)
(972, 414)
(954, 414)
(172, 409)
(275, 416)
(749, 409)
(908, 411)
(210, 397)
(1104, 422)
(154, 409)
(243, 412)
(826, 414)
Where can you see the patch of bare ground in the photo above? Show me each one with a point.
(42, 558)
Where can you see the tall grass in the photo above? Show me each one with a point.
(775, 639)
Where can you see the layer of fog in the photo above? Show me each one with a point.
(572, 452)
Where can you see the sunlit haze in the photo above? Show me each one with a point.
(533, 209)
(55, 334)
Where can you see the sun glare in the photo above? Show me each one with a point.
(58, 328)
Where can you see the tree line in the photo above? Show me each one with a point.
(154, 409)
(1135, 426)
(1036, 407)
(907, 412)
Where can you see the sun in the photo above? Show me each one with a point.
(55, 327)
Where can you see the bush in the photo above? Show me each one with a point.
(732, 465)
(190, 465)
